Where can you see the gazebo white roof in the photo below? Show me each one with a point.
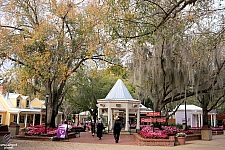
(119, 92)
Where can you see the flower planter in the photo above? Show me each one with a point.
(181, 140)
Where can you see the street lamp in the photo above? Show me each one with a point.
(46, 106)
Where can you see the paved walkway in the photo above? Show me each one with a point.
(87, 142)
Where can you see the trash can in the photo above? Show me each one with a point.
(3, 131)
(14, 128)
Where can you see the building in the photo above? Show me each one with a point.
(194, 116)
(20, 109)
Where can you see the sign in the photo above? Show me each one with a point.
(61, 133)
(153, 119)
(152, 113)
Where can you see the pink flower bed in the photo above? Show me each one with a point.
(217, 128)
(156, 133)
(40, 129)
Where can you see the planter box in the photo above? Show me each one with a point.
(206, 134)
(153, 142)
(191, 137)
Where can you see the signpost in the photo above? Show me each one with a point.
(153, 114)
(153, 119)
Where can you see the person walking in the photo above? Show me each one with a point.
(93, 128)
(100, 127)
(117, 128)
(85, 125)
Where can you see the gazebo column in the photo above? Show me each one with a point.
(110, 117)
(127, 117)
(98, 112)
(138, 119)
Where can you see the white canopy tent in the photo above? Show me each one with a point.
(119, 102)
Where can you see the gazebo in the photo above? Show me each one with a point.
(119, 102)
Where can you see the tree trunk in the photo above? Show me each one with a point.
(205, 117)
(54, 115)
(204, 104)
(55, 94)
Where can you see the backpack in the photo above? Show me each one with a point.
(117, 125)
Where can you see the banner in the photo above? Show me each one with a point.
(61, 133)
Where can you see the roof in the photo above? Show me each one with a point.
(2, 108)
(8, 102)
(13, 95)
(190, 107)
(84, 113)
(119, 92)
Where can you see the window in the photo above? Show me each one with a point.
(0, 119)
(18, 103)
(21, 119)
(15, 118)
(27, 103)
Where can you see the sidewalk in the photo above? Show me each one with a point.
(87, 142)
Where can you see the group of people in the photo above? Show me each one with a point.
(99, 126)
(117, 126)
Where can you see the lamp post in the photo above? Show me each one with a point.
(46, 106)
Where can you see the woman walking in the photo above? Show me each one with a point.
(93, 128)
(100, 127)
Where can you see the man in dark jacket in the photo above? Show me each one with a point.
(117, 128)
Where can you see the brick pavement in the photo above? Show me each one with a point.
(86, 137)
(87, 142)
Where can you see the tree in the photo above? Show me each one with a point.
(142, 18)
(184, 59)
(50, 40)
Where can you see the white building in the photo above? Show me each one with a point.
(194, 116)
